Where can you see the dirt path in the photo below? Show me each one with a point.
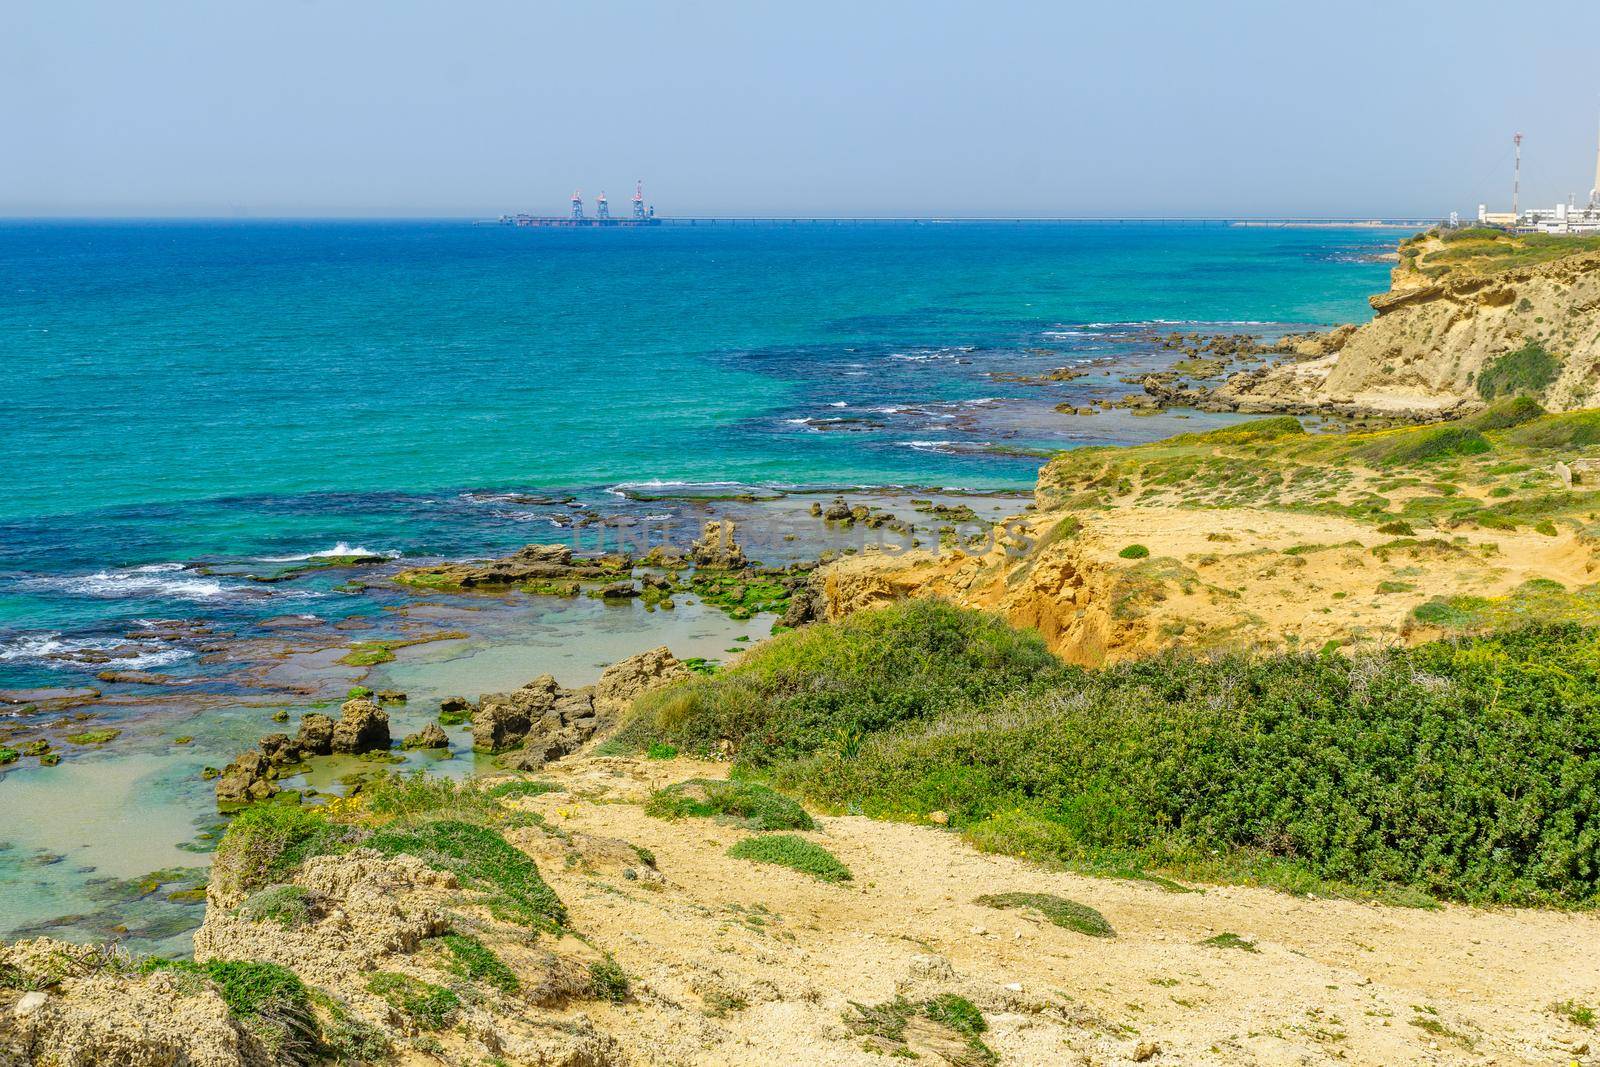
(735, 962)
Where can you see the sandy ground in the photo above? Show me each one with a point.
(738, 963)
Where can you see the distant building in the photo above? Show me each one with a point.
(1568, 218)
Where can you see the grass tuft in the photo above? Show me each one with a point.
(787, 850)
(754, 806)
(1068, 914)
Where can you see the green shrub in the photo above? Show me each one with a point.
(1530, 369)
(661, 751)
(607, 981)
(1461, 769)
(265, 843)
(1423, 444)
(524, 787)
(286, 905)
(1134, 552)
(1065, 913)
(871, 671)
(9, 755)
(754, 805)
(888, 1020)
(426, 1005)
(1230, 940)
(1571, 429)
(482, 860)
(1505, 413)
(471, 958)
(787, 850)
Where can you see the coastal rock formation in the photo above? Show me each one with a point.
(362, 727)
(84, 1013)
(543, 721)
(1459, 306)
(717, 547)
(1262, 536)
(529, 564)
(627, 679)
(430, 736)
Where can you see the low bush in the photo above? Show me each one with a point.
(1528, 370)
(1134, 552)
(1463, 769)
(471, 958)
(873, 670)
(287, 905)
(755, 806)
(607, 981)
(1068, 914)
(427, 1006)
(787, 850)
(482, 860)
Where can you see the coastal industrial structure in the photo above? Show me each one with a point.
(1567, 218)
(641, 215)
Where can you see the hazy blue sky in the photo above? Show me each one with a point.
(358, 107)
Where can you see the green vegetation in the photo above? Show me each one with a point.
(433, 819)
(427, 1006)
(527, 787)
(95, 737)
(1506, 413)
(1134, 552)
(1230, 940)
(1480, 251)
(803, 690)
(607, 981)
(1528, 370)
(1573, 1012)
(787, 850)
(739, 596)
(1068, 914)
(660, 750)
(753, 805)
(372, 653)
(454, 718)
(286, 905)
(482, 860)
(1460, 769)
(471, 958)
(886, 1022)
(8, 755)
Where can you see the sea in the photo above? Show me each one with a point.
(190, 410)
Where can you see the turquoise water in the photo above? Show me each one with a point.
(185, 391)
(186, 405)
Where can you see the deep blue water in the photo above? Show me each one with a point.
(182, 391)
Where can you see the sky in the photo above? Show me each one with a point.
(474, 108)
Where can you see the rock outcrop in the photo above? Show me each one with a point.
(86, 1012)
(362, 726)
(717, 547)
(1448, 317)
(543, 721)
(529, 564)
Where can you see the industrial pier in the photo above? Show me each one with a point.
(602, 214)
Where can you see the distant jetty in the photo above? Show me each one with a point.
(577, 217)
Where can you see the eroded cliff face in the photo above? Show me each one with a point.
(1454, 308)
(1262, 537)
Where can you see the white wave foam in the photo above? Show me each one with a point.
(51, 649)
(340, 549)
(148, 581)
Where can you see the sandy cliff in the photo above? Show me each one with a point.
(1456, 307)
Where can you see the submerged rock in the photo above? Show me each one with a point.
(531, 563)
(430, 736)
